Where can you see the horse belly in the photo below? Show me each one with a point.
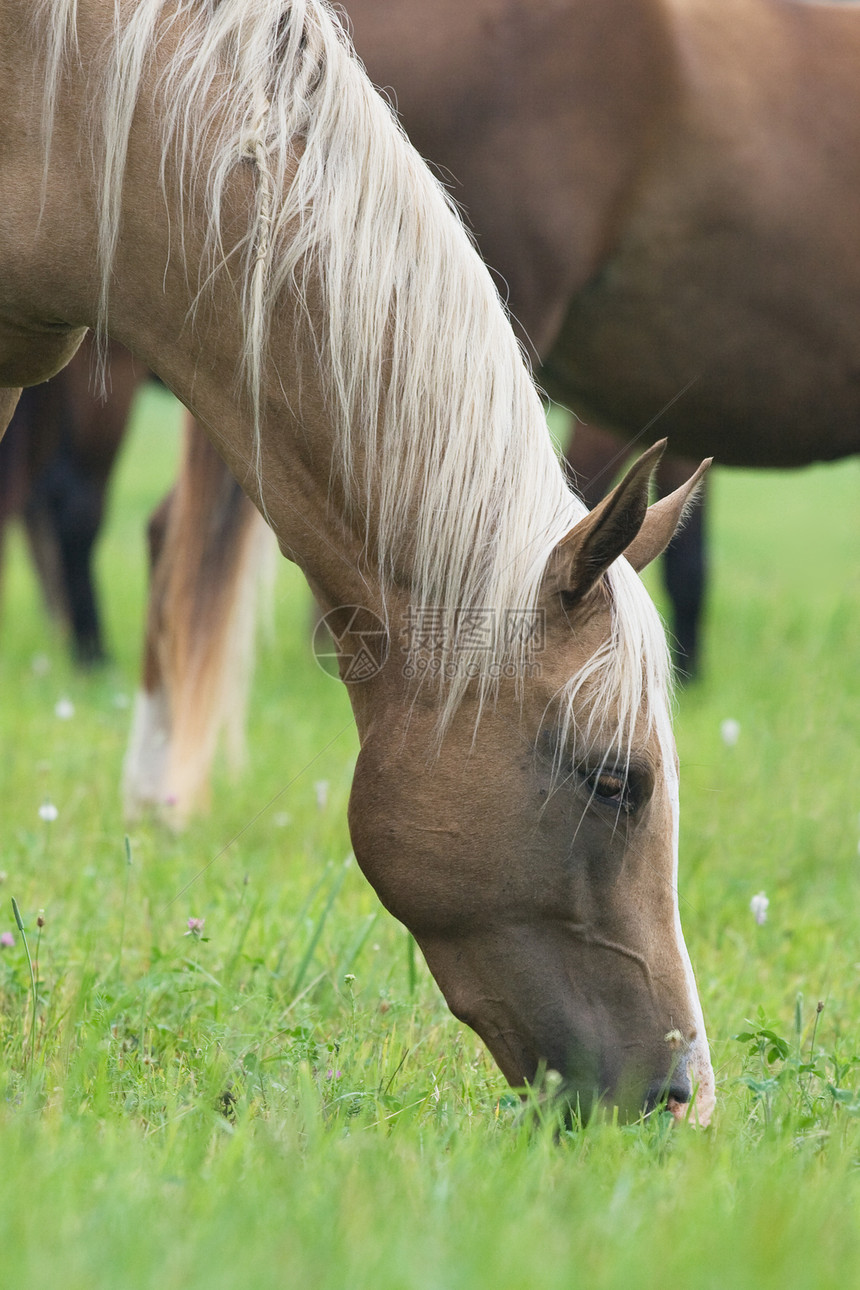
(727, 309)
(724, 345)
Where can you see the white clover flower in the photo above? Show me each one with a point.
(48, 812)
(730, 731)
(758, 908)
(64, 709)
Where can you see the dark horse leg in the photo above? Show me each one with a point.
(63, 516)
(67, 439)
(595, 457)
(24, 454)
(685, 571)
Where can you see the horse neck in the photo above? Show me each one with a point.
(289, 477)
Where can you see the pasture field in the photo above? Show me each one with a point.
(284, 1100)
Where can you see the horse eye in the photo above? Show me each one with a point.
(610, 789)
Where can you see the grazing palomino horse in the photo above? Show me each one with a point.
(219, 187)
(55, 464)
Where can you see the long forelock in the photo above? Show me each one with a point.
(424, 380)
(623, 691)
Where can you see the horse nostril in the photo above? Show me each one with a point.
(671, 1094)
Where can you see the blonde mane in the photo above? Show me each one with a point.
(426, 385)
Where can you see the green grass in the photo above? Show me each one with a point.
(286, 1101)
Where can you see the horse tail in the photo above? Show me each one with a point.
(208, 547)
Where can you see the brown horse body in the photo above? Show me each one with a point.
(220, 189)
(668, 189)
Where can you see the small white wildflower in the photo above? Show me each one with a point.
(48, 812)
(758, 907)
(321, 790)
(281, 819)
(730, 731)
(41, 665)
(64, 709)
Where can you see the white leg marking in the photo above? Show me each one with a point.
(145, 765)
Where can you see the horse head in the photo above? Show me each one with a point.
(533, 854)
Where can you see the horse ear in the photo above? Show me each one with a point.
(662, 520)
(586, 552)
